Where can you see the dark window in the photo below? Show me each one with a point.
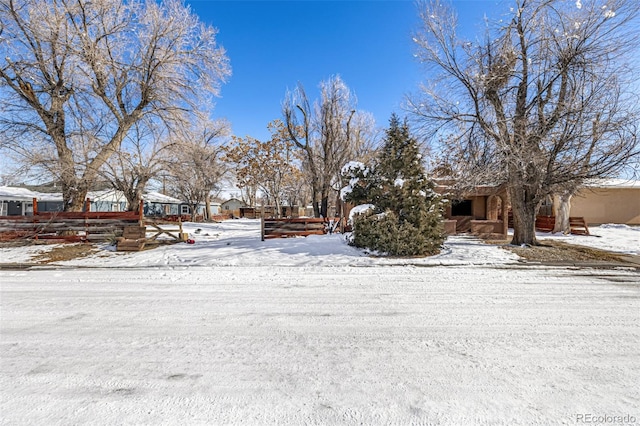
(15, 208)
(461, 208)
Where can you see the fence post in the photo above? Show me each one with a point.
(262, 228)
(181, 234)
(87, 209)
(141, 212)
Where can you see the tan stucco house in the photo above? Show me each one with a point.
(608, 201)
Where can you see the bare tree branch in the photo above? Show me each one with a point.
(329, 134)
(77, 75)
(542, 104)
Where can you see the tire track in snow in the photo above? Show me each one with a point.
(318, 346)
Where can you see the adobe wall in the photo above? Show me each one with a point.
(608, 205)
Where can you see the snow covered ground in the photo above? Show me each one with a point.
(237, 243)
(232, 330)
(612, 237)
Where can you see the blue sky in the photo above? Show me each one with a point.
(273, 45)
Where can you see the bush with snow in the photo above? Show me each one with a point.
(386, 234)
(407, 218)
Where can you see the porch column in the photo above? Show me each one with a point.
(505, 214)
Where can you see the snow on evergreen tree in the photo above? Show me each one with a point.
(357, 178)
(407, 220)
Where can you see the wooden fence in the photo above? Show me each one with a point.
(296, 227)
(131, 230)
(577, 224)
(135, 238)
(68, 226)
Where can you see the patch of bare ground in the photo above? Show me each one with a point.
(64, 252)
(557, 251)
(70, 251)
(16, 243)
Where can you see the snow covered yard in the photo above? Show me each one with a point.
(613, 237)
(233, 330)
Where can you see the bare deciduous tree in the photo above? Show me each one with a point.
(541, 102)
(327, 134)
(273, 166)
(77, 75)
(141, 158)
(197, 169)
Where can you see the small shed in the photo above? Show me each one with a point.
(232, 206)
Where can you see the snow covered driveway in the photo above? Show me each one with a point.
(319, 345)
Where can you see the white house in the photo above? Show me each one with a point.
(16, 201)
(109, 200)
(232, 205)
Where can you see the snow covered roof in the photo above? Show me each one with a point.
(24, 194)
(13, 193)
(233, 201)
(107, 195)
(613, 183)
(17, 194)
(156, 197)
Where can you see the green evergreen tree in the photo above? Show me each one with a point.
(407, 220)
(357, 183)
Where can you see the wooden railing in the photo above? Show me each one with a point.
(545, 223)
(68, 226)
(578, 225)
(296, 227)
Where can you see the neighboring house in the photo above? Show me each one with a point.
(185, 209)
(216, 208)
(109, 200)
(232, 205)
(157, 204)
(481, 211)
(608, 201)
(16, 201)
(599, 201)
(160, 205)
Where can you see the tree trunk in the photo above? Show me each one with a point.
(277, 208)
(324, 206)
(316, 208)
(324, 200)
(524, 207)
(315, 203)
(207, 212)
(73, 191)
(562, 211)
(73, 197)
(133, 196)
